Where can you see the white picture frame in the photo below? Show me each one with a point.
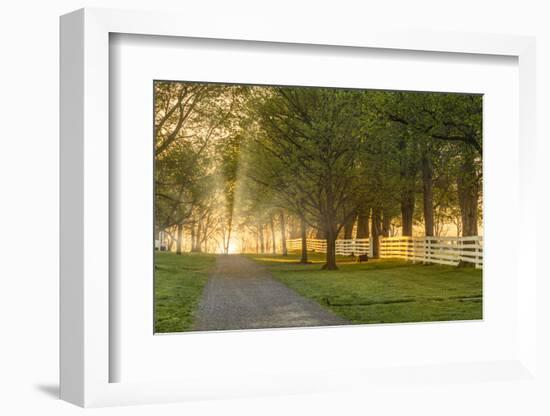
(85, 220)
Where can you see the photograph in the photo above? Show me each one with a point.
(282, 206)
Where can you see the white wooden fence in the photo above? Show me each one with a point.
(343, 247)
(441, 250)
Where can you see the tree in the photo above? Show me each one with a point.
(314, 136)
(191, 120)
(282, 223)
(437, 123)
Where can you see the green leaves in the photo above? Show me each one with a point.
(319, 153)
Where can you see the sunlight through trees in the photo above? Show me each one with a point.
(244, 168)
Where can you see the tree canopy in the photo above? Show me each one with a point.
(243, 168)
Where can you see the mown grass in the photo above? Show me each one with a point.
(179, 282)
(383, 291)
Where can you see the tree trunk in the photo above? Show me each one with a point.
(408, 171)
(386, 224)
(192, 235)
(229, 228)
(170, 244)
(363, 224)
(261, 234)
(427, 187)
(205, 238)
(283, 233)
(331, 249)
(198, 236)
(348, 228)
(179, 238)
(273, 241)
(468, 197)
(303, 232)
(376, 228)
(407, 211)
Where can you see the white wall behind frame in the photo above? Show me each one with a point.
(30, 344)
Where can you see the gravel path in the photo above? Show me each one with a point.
(241, 294)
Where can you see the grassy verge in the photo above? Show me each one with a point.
(382, 291)
(179, 282)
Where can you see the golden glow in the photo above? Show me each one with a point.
(233, 247)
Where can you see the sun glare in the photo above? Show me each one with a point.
(233, 247)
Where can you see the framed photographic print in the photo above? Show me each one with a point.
(243, 215)
(256, 186)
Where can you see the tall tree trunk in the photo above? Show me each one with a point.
(179, 238)
(205, 237)
(273, 241)
(171, 241)
(386, 224)
(407, 212)
(408, 171)
(192, 235)
(303, 234)
(468, 197)
(283, 233)
(376, 231)
(198, 236)
(348, 228)
(363, 224)
(229, 229)
(261, 234)
(331, 249)
(427, 187)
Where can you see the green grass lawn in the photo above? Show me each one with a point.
(383, 290)
(179, 281)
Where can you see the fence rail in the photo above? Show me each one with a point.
(343, 247)
(441, 250)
